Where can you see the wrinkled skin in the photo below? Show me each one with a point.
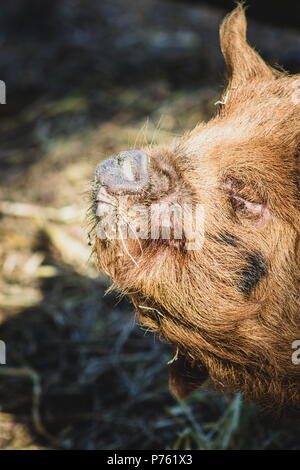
(230, 308)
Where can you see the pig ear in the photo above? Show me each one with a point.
(243, 63)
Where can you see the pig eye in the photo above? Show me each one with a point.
(241, 204)
(248, 208)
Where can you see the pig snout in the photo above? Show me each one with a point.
(124, 173)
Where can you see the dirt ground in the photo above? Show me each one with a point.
(82, 84)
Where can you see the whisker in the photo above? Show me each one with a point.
(122, 214)
(156, 130)
(126, 249)
(145, 128)
(141, 131)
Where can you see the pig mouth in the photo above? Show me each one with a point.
(136, 219)
(119, 219)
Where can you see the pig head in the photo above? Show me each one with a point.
(224, 291)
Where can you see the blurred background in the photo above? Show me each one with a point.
(85, 79)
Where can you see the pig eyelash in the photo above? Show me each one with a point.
(253, 210)
(241, 204)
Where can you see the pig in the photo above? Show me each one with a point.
(223, 289)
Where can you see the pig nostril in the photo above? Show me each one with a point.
(125, 173)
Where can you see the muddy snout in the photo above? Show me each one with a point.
(124, 173)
